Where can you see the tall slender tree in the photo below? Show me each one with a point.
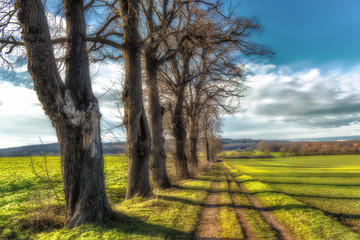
(158, 18)
(137, 128)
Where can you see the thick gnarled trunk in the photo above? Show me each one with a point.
(137, 128)
(82, 166)
(72, 108)
(158, 172)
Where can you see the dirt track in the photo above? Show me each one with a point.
(209, 221)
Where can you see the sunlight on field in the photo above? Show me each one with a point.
(328, 183)
(23, 194)
(314, 197)
(29, 210)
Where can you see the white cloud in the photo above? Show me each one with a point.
(282, 104)
(285, 104)
(22, 119)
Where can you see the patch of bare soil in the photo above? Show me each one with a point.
(208, 227)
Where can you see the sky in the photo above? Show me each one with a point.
(309, 89)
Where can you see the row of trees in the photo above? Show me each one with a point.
(186, 52)
(311, 148)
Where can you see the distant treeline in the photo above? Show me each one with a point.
(244, 144)
(287, 148)
(52, 149)
(238, 144)
(311, 148)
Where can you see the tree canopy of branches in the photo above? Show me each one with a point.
(191, 53)
(206, 70)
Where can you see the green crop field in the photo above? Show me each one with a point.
(316, 193)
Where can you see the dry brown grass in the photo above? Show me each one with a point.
(43, 214)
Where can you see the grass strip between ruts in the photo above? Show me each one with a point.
(229, 224)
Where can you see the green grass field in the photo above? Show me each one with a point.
(320, 194)
(315, 197)
(29, 210)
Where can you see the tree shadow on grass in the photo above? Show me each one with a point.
(115, 195)
(311, 184)
(129, 227)
(216, 238)
(189, 202)
(119, 227)
(309, 174)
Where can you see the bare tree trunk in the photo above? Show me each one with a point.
(72, 108)
(138, 134)
(207, 147)
(182, 171)
(212, 150)
(158, 172)
(206, 138)
(193, 138)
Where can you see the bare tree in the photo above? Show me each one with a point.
(158, 18)
(207, 36)
(70, 105)
(217, 86)
(177, 84)
(118, 37)
(210, 125)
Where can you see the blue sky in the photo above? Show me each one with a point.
(310, 88)
(308, 33)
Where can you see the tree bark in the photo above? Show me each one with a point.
(206, 137)
(182, 171)
(158, 172)
(193, 139)
(72, 108)
(82, 167)
(137, 128)
(207, 147)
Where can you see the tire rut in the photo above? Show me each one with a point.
(281, 230)
(208, 226)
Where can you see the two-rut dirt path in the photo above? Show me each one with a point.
(209, 225)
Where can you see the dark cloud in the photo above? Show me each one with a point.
(325, 122)
(305, 98)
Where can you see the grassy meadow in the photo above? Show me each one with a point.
(29, 209)
(317, 197)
